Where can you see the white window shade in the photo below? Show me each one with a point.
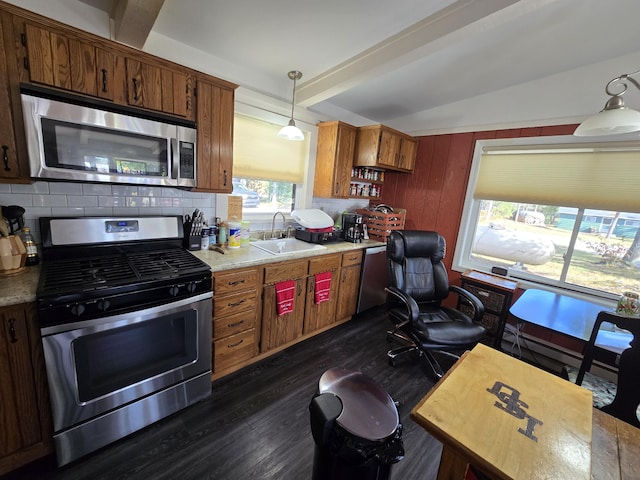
(606, 180)
(258, 152)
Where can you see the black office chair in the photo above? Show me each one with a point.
(626, 391)
(418, 283)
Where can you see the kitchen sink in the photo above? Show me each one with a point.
(281, 246)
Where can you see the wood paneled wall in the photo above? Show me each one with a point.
(434, 193)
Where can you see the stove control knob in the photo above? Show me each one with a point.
(104, 305)
(77, 309)
(191, 287)
(174, 290)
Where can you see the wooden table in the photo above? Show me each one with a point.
(511, 420)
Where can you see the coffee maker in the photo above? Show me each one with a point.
(352, 227)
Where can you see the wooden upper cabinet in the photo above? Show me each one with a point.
(95, 68)
(14, 166)
(144, 85)
(158, 88)
(334, 159)
(54, 59)
(382, 147)
(214, 150)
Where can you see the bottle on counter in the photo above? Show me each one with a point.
(204, 240)
(234, 235)
(32, 251)
(222, 233)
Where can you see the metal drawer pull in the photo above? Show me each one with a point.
(231, 325)
(483, 294)
(236, 304)
(231, 345)
(237, 282)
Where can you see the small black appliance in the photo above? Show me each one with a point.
(352, 227)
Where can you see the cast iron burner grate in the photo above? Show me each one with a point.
(104, 272)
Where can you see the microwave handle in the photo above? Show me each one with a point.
(175, 159)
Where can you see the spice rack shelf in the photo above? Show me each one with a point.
(366, 182)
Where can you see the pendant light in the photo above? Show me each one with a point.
(615, 117)
(290, 131)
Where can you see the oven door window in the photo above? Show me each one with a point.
(103, 150)
(113, 359)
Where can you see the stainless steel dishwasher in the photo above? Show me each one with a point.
(373, 279)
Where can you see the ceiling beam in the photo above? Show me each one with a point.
(398, 50)
(133, 20)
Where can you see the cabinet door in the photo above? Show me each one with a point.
(82, 60)
(319, 315)
(176, 93)
(389, 150)
(214, 119)
(408, 151)
(334, 159)
(144, 88)
(277, 329)
(348, 293)
(10, 168)
(24, 427)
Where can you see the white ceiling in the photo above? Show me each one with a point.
(421, 66)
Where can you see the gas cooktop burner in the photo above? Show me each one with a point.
(97, 266)
(86, 274)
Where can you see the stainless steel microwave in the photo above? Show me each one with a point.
(66, 141)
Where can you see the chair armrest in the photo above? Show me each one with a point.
(478, 307)
(411, 305)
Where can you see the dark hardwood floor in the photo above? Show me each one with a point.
(256, 423)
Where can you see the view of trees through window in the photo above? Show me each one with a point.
(594, 249)
(264, 196)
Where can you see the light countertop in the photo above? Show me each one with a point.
(251, 256)
(22, 287)
(19, 288)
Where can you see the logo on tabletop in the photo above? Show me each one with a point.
(509, 401)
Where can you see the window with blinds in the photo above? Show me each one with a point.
(560, 214)
(266, 169)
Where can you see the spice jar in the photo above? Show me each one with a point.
(628, 304)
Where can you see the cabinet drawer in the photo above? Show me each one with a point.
(233, 350)
(324, 263)
(235, 280)
(232, 324)
(231, 304)
(492, 301)
(352, 258)
(285, 271)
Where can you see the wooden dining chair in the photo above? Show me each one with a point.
(626, 400)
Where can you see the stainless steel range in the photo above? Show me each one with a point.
(125, 317)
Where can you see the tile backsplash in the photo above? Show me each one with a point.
(66, 199)
(69, 199)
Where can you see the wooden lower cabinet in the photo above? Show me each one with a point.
(349, 284)
(235, 314)
(246, 324)
(277, 329)
(26, 431)
(319, 315)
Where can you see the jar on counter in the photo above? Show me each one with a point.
(32, 251)
(629, 304)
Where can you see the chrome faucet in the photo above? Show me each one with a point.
(273, 222)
